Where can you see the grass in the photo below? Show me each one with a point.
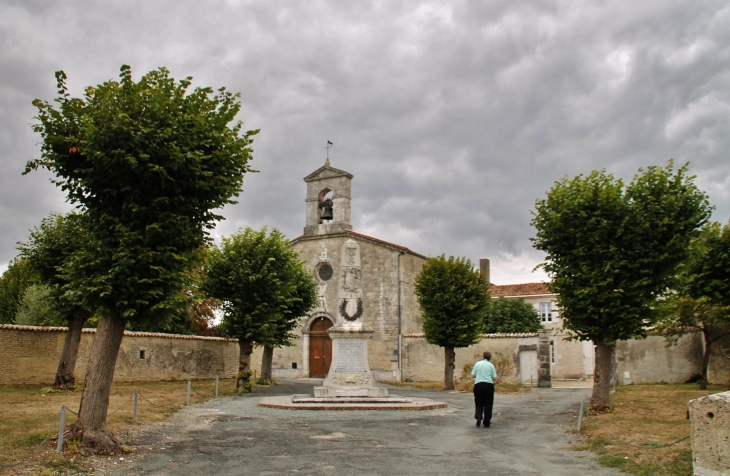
(29, 413)
(645, 418)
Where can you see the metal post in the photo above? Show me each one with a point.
(61, 429)
(188, 399)
(216, 386)
(136, 394)
(580, 416)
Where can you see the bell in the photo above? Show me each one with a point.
(327, 214)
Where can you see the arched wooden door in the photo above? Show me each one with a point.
(320, 348)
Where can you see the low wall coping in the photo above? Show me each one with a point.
(421, 335)
(12, 327)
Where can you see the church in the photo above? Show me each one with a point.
(359, 277)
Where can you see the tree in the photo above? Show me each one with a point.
(511, 316)
(49, 251)
(612, 249)
(454, 299)
(702, 302)
(264, 288)
(37, 308)
(13, 284)
(147, 162)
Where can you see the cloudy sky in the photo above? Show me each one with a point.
(454, 117)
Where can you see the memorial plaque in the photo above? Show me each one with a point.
(351, 356)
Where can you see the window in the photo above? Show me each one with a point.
(325, 272)
(546, 311)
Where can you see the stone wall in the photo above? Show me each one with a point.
(710, 429)
(29, 355)
(425, 362)
(650, 360)
(719, 368)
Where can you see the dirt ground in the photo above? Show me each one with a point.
(232, 436)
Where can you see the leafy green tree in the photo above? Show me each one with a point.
(49, 251)
(454, 299)
(13, 284)
(264, 288)
(612, 249)
(511, 316)
(703, 300)
(147, 162)
(37, 308)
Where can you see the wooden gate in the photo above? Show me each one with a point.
(320, 348)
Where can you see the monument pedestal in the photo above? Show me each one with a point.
(349, 374)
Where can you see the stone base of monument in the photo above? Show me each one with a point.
(349, 374)
(306, 402)
(310, 399)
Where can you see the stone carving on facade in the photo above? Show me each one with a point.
(350, 279)
(321, 299)
(323, 253)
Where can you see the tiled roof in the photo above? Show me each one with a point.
(420, 335)
(12, 327)
(526, 289)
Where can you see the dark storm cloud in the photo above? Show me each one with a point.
(454, 117)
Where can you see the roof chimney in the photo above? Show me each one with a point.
(484, 268)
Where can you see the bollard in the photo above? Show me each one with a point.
(580, 416)
(187, 404)
(216, 386)
(136, 394)
(61, 429)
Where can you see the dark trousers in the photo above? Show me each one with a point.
(484, 401)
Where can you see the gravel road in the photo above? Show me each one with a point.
(233, 436)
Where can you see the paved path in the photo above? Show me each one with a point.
(233, 436)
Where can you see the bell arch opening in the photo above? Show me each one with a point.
(326, 205)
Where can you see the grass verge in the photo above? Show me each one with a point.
(644, 419)
(29, 413)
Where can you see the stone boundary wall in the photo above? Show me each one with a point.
(425, 362)
(29, 355)
(651, 361)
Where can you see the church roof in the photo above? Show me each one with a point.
(525, 289)
(362, 237)
(326, 172)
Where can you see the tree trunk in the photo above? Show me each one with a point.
(705, 359)
(65, 378)
(266, 363)
(244, 365)
(90, 427)
(449, 360)
(603, 374)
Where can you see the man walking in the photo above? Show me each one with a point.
(484, 373)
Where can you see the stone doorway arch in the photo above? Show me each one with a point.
(317, 348)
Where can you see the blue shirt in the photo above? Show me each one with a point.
(484, 371)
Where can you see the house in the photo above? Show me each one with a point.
(570, 359)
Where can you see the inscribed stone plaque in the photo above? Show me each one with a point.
(351, 356)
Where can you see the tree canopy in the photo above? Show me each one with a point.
(613, 248)
(262, 285)
(454, 299)
(511, 316)
(13, 283)
(148, 162)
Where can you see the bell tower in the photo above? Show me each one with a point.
(328, 201)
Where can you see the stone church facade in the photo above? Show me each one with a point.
(358, 277)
